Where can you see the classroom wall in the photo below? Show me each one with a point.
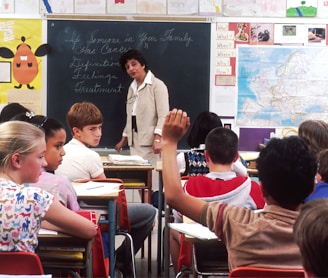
(260, 85)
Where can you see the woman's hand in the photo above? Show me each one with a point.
(157, 144)
(121, 144)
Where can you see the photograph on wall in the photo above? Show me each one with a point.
(22, 81)
(261, 33)
(210, 7)
(151, 6)
(315, 35)
(301, 8)
(288, 33)
(122, 6)
(182, 7)
(241, 30)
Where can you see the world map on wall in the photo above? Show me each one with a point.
(281, 86)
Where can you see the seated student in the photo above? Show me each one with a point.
(80, 162)
(321, 187)
(22, 148)
(60, 186)
(311, 236)
(315, 135)
(12, 109)
(55, 134)
(192, 162)
(286, 169)
(221, 183)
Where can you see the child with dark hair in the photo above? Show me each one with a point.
(321, 187)
(58, 185)
(12, 109)
(261, 238)
(221, 183)
(315, 135)
(311, 236)
(192, 162)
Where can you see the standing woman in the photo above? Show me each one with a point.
(22, 148)
(146, 107)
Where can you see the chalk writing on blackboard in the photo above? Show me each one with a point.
(90, 56)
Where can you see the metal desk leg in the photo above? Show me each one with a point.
(159, 224)
(166, 242)
(112, 229)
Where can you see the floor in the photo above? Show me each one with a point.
(142, 263)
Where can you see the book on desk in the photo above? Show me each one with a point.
(195, 230)
(117, 159)
(96, 188)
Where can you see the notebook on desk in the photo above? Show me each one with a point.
(194, 229)
(96, 188)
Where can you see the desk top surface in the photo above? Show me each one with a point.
(97, 190)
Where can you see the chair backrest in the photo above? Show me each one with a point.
(258, 272)
(20, 263)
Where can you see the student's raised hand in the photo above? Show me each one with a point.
(175, 125)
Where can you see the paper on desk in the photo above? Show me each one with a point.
(96, 188)
(127, 159)
(193, 229)
(47, 232)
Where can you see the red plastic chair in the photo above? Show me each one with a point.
(123, 227)
(258, 272)
(20, 263)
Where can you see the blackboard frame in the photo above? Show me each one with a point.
(177, 52)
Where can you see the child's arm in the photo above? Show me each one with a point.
(67, 221)
(175, 126)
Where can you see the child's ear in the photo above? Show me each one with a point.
(236, 157)
(318, 178)
(207, 156)
(76, 131)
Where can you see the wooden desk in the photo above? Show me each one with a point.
(134, 177)
(59, 251)
(92, 195)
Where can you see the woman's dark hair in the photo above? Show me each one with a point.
(132, 54)
(203, 124)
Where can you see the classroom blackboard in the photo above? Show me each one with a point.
(83, 66)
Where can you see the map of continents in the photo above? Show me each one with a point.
(281, 86)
